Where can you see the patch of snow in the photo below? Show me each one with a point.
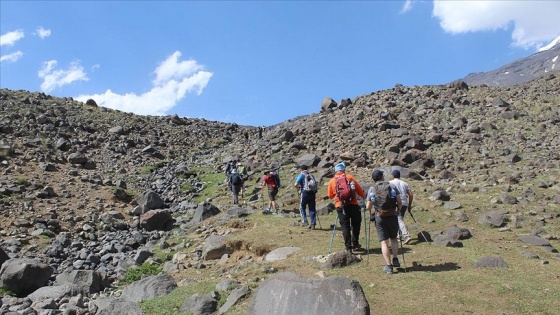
(552, 44)
(554, 59)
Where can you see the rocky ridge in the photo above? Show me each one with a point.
(86, 188)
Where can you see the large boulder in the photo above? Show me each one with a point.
(156, 220)
(83, 281)
(109, 306)
(288, 293)
(23, 276)
(215, 247)
(149, 288)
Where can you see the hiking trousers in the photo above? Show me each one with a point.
(308, 200)
(235, 190)
(350, 218)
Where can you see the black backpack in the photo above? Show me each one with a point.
(385, 199)
(236, 180)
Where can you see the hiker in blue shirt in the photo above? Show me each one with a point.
(307, 189)
(235, 181)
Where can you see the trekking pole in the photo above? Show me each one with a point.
(368, 223)
(317, 217)
(416, 222)
(402, 250)
(334, 229)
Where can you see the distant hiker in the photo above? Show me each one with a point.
(406, 198)
(235, 182)
(272, 182)
(228, 168)
(260, 132)
(343, 188)
(386, 200)
(242, 170)
(307, 188)
(246, 136)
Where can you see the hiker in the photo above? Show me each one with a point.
(260, 132)
(307, 189)
(242, 170)
(386, 200)
(406, 198)
(235, 181)
(272, 181)
(228, 169)
(343, 188)
(246, 134)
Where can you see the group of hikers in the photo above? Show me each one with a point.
(389, 200)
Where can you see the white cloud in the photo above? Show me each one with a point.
(174, 79)
(533, 23)
(13, 57)
(53, 78)
(42, 32)
(11, 37)
(407, 6)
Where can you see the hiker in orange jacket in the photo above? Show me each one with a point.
(343, 188)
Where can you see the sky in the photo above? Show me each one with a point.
(257, 63)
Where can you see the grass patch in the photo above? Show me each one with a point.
(171, 304)
(134, 274)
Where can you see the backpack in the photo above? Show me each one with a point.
(385, 199)
(309, 183)
(236, 180)
(272, 180)
(344, 190)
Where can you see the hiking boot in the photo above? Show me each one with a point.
(388, 269)
(357, 247)
(396, 262)
(312, 227)
(305, 224)
(407, 240)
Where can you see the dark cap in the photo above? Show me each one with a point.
(304, 167)
(377, 174)
(396, 173)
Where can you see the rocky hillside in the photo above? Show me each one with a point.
(77, 181)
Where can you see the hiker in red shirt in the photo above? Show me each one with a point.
(272, 181)
(343, 188)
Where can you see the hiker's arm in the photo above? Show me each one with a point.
(410, 198)
(399, 203)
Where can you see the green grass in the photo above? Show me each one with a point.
(134, 274)
(171, 304)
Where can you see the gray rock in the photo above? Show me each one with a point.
(234, 297)
(288, 293)
(492, 219)
(200, 304)
(156, 220)
(452, 205)
(339, 260)
(215, 247)
(149, 288)
(491, 261)
(119, 306)
(203, 212)
(55, 292)
(227, 285)
(23, 276)
(148, 200)
(83, 281)
(534, 240)
(281, 253)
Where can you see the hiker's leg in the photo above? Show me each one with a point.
(386, 253)
(402, 227)
(345, 226)
(312, 208)
(302, 204)
(393, 231)
(356, 222)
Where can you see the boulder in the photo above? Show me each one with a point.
(288, 293)
(149, 288)
(23, 276)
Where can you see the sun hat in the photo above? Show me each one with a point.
(340, 167)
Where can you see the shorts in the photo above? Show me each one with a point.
(272, 194)
(387, 227)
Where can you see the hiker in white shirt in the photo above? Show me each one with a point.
(406, 197)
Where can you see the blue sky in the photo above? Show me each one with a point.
(257, 62)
